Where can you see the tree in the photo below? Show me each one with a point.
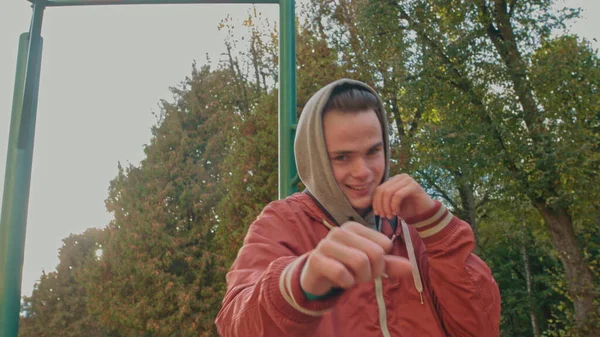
(250, 168)
(57, 306)
(519, 252)
(159, 273)
(495, 117)
(493, 74)
(473, 65)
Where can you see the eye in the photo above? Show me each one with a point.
(375, 151)
(340, 158)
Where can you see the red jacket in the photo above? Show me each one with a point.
(459, 296)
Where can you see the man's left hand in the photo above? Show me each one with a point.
(401, 196)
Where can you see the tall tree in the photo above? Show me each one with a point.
(476, 63)
(58, 304)
(250, 167)
(524, 130)
(159, 273)
(458, 78)
(518, 251)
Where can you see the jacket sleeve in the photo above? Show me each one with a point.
(468, 298)
(263, 296)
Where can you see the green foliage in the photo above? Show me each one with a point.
(480, 115)
(250, 175)
(514, 244)
(57, 306)
(567, 76)
(159, 273)
(495, 114)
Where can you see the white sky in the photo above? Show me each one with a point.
(104, 69)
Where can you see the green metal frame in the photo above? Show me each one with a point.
(13, 219)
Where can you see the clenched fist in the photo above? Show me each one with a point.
(349, 255)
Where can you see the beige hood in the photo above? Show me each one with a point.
(312, 160)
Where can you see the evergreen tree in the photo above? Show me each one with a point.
(57, 306)
(159, 273)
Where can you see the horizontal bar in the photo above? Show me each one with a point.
(64, 3)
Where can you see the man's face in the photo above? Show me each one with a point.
(356, 151)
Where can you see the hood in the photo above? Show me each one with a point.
(312, 160)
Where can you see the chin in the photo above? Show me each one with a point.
(361, 206)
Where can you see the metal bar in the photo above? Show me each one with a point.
(6, 232)
(287, 97)
(13, 219)
(65, 3)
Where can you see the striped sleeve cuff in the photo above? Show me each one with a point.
(432, 221)
(296, 305)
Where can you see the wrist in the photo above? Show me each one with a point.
(310, 286)
(433, 223)
(295, 304)
(331, 293)
(425, 213)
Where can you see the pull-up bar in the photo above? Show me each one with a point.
(13, 219)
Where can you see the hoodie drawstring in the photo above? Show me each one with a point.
(413, 260)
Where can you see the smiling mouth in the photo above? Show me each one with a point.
(358, 188)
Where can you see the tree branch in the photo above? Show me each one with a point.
(505, 42)
(462, 82)
(511, 8)
(441, 192)
(483, 201)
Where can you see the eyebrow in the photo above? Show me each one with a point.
(345, 152)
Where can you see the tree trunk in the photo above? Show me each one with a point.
(598, 219)
(579, 275)
(498, 24)
(465, 189)
(529, 280)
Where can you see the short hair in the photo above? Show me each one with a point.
(351, 98)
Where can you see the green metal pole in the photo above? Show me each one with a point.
(13, 219)
(287, 98)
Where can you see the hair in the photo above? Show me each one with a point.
(351, 98)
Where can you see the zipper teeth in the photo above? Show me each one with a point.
(381, 306)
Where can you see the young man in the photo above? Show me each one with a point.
(356, 254)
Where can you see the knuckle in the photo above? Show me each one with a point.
(378, 252)
(315, 258)
(363, 259)
(323, 246)
(338, 273)
(336, 233)
(350, 224)
(360, 262)
(387, 246)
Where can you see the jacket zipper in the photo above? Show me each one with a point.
(381, 306)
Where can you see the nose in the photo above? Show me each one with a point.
(360, 169)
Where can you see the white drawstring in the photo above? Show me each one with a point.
(413, 260)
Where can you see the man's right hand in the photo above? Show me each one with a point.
(349, 255)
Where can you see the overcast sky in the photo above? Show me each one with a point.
(104, 69)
